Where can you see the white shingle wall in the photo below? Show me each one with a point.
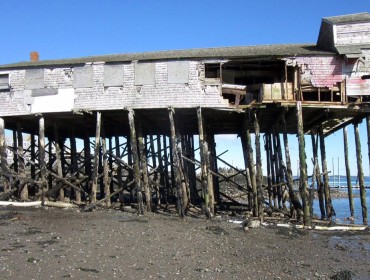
(160, 95)
(13, 102)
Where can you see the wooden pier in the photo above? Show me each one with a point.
(122, 128)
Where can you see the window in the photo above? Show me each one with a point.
(82, 77)
(178, 72)
(113, 75)
(4, 81)
(144, 74)
(212, 70)
(34, 79)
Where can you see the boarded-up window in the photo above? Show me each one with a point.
(113, 75)
(4, 81)
(178, 72)
(144, 74)
(82, 77)
(34, 79)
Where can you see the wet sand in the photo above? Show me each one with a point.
(107, 244)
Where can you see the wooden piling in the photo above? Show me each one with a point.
(106, 181)
(4, 157)
(42, 162)
(348, 172)
(361, 179)
(119, 167)
(328, 203)
(251, 166)
(166, 164)
(87, 162)
(368, 136)
(59, 170)
(162, 180)
(136, 162)
(207, 189)
(295, 203)
(15, 147)
(275, 167)
(144, 166)
(74, 163)
(95, 174)
(303, 167)
(214, 167)
(259, 175)
(320, 189)
(268, 165)
(21, 163)
(279, 174)
(180, 195)
(32, 189)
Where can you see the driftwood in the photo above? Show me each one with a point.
(37, 203)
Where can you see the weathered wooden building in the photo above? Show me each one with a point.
(157, 101)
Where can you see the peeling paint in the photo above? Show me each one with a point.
(320, 71)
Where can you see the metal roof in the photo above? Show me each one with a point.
(240, 52)
(351, 18)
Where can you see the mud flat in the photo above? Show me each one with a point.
(66, 243)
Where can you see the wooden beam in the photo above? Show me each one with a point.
(144, 166)
(95, 174)
(4, 157)
(207, 189)
(361, 178)
(180, 192)
(328, 203)
(303, 167)
(348, 172)
(136, 162)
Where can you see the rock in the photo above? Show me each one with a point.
(247, 224)
(342, 275)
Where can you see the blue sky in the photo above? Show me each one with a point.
(70, 28)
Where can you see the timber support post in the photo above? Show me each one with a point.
(205, 168)
(106, 181)
(4, 157)
(176, 163)
(42, 162)
(58, 160)
(303, 167)
(251, 166)
(320, 189)
(328, 204)
(296, 204)
(95, 175)
(74, 163)
(259, 175)
(21, 163)
(361, 178)
(348, 172)
(144, 166)
(136, 162)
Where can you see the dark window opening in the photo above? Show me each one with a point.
(212, 70)
(4, 81)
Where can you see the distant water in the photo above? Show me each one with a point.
(341, 205)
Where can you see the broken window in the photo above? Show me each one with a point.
(256, 80)
(212, 70)
(4, 81)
